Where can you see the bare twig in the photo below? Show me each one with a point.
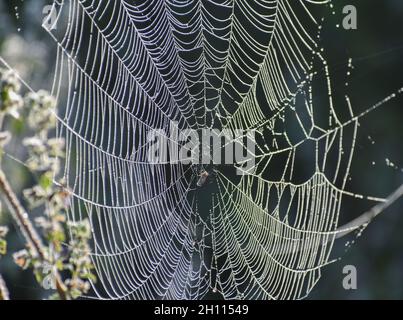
(27, 229)
(368, 216)
(21, 217)
(362, 221)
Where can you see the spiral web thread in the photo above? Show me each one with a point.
(127, 67)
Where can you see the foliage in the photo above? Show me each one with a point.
(65, 243)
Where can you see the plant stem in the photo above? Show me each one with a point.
(27, 229)
(4, 295)
(21, 217)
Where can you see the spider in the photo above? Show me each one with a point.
(205, 176)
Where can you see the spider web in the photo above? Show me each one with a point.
(124, 68)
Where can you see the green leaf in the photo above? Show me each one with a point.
(18, 125)
(4, 98)
(45, 181)
(3, 247)
(39, 276)
(59, 265)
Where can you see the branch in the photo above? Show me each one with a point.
(27, 229)
(368, 216)
(362, 221)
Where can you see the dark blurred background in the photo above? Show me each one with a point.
(377, 52)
